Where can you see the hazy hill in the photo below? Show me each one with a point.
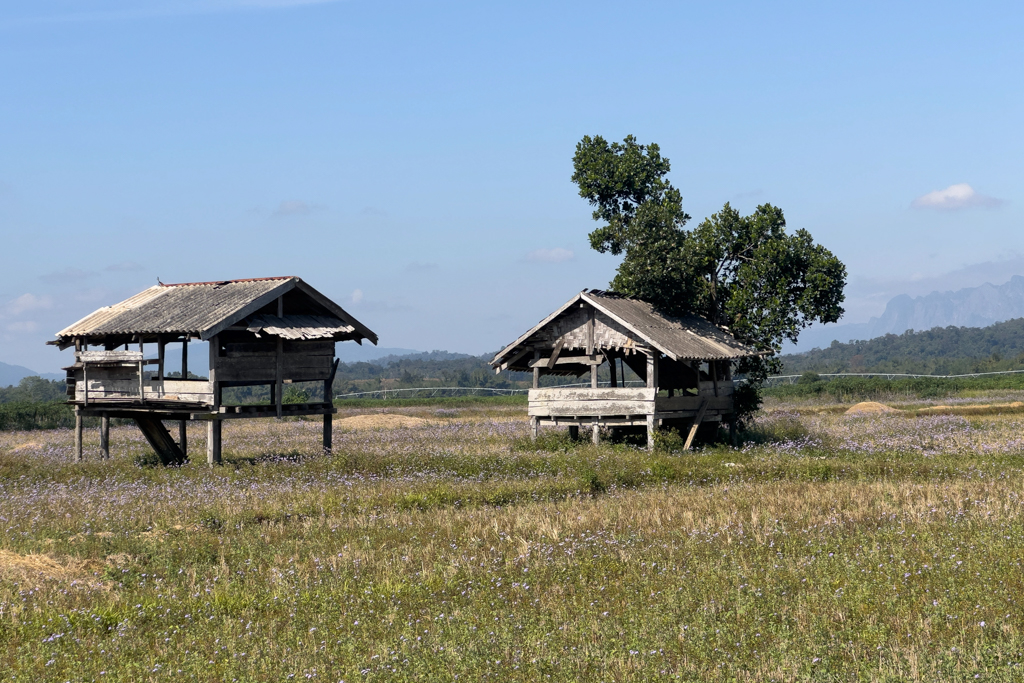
(968, 307)
(12, 374)
(943, 351)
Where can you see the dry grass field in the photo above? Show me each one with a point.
(876, 547)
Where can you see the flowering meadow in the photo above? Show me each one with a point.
(885, 547)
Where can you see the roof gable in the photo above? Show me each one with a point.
(679, 338)
(200, 308)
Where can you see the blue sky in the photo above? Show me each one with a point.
(412, 160)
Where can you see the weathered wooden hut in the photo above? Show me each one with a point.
(262, 331)
(685, 362)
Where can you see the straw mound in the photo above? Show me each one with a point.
(869, 407)
(382, 421)
(28, 567)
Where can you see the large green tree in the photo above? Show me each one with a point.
(746, 273)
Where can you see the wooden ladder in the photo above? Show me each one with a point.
(160, 439)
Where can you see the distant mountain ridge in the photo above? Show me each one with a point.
(12, 374)
(939, 351)
(979, 306)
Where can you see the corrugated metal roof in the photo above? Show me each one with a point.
(689, 337)
(681, 338)
(299, 326)
(200, 308)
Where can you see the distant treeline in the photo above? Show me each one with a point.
(939, 351)
(845, 389)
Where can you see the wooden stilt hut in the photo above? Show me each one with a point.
(684, 362)
(263, 331)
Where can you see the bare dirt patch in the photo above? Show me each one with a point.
(382, 421)
(48, 567)
(869, 407)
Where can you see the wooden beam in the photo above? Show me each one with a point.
(183, 437)
(568, 360)
(611, 370)
(214, 379)
(513, 359)
(279, 374)
(536, 368)
(554, 354)
(78, 434)
(328, 422)
(105, 437)
(184, 359)
(696, 423)
(213, 442)
(160, 350)
(590, 331)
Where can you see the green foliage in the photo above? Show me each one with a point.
(26, 416)
(745, 273)
(939, 351)
(295, 394)
(33, 390)
(848, 389)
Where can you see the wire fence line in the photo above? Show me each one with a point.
(892, 375)
(430, 392)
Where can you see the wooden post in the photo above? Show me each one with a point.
(279, 381)
(652, 369)
(536, 369)
(593, 376)
(183, 437)
(650, 431)
(590, 332)
(596, 432)
(184, 359)
(574, 432)
(696, 424)
(713, 367)
(214, 384)
(611, 370)
(105, 437)
(160, 349)
(213, 442)
(732, 430)
(78, 434)
(534, 427)
(328, 423)
(279, 376)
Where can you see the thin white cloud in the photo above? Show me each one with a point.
(295, 207)
(28, 302)
(556, 255)
(357, 296)
(959, 196)
(23, 326)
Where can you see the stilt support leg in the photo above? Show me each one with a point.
(595, 435)
(183, 437)
(650, 432)
(534, 428)
(213, 442)
(105, 437)
(732, 431)
(574, 432)
(328, 423)
(78, 436)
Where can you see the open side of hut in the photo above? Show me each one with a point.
(263, 331)
(686, 364)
